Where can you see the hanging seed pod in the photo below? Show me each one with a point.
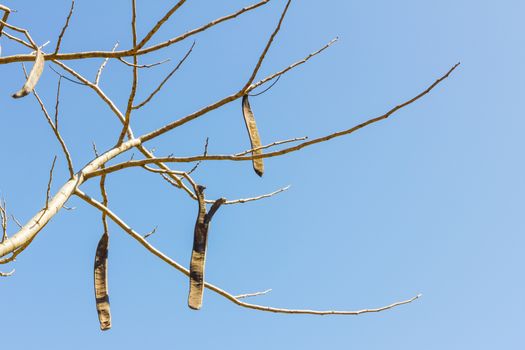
(33, 77)
(101, 283)
(255, 139)
(198, 254)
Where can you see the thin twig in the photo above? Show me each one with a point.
(250, 295)
(165, 79)
(143, 65)
(54, 127)
(292, 66)
(20, 30)
(133, 92)
(18, 40)
(276, 143)
(268, 88)
(16, 221)
(3, 217)
(48, 192)
(63, 31)
(268, 195)
(150, 233)
(204, 154)
(102, 185)
(65, 77)
(7, 274)
(101, 68)
(186, 175)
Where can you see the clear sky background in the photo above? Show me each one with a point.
(429, 201)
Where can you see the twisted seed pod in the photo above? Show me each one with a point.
(198, 254)
(33, 77)
(101, 283)
(255, 140)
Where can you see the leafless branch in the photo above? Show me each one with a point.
(250, 295)
(150, 233)
(165, 79)
(18, 40)
(273, 144)
(7, 11)
(204, 154)
(159, 24)
(64, 28)
(253, 199)
(7, 274)
(133, 92)
(126, 228)
(50, 181)
(20, 30)
(3, 219)
(267, 47)
(16, 221)
(54, 127)
(131, 52)
(176, 181)
(101, 68)
(292, 66)
(143, 65)
(267, 89)
(142, 162)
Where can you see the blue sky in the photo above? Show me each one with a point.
(429, 201)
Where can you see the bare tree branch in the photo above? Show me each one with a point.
(103, 65)
(7, 274)
(143, 65)
(64, 28)
(7, 11)
(135, 163)
(23, 31)
(216, 289)
(50, 181)
(133, 92)
(3, 219)
(54, 127)
(268, 45)
(250, 295)
(148, 99)
(159, 24)
(131, 52)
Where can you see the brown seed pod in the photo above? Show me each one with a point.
(33, 77)
(101, 283)
(198, 254)
(255, 140)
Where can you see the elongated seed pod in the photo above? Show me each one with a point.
(101, 283)
(255, 140)
(33, 77)
(198, 254)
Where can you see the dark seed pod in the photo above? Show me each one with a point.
(101, 283)
(198, 254)
(33, 77)
(255, 140)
